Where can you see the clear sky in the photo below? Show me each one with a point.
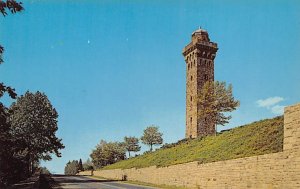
(112, 68)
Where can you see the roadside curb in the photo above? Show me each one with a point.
(127, 183)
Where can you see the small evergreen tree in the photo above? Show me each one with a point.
(80, 167)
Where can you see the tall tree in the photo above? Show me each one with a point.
(214, 100)
(7, 161)
(34, 125)
(6, 147)
(132, 144)
(80, 166)
(152, 136)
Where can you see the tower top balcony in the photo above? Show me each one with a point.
(200, 40)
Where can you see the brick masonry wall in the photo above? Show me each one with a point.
(269, 171)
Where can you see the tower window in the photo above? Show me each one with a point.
(191, 78)
(191, 98)
(203, 62)
(191, 119)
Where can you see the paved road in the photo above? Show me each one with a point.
(76, 182)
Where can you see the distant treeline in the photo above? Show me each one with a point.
(107, 153)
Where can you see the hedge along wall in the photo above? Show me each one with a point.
(277, 170)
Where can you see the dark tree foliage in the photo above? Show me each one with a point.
(13, 165)
(33, 126)
(6, 89)
(8, 161)
(10, 5)
(44, 170)
(6, 143)
(80, 166)
(1, 52)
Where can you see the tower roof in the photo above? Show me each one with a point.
(200, 35)
(200, 31)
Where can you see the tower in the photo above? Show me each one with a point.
(199, 56)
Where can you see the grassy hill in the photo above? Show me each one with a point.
(261, 137)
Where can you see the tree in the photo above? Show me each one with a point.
(107, 153)
(6, 147)
(80, 166)
(132, 144)
(33, 126)
(214, 100)
(152, 136)
(8, 171)
(6, 140)
(44, 170)
(88, 165)
(72, 168)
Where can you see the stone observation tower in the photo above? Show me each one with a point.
(199, 56)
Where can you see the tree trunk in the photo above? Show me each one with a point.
(129, 153)
(29, 165)
(151, 147)
(216, 129)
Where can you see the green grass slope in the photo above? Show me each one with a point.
(261, 137)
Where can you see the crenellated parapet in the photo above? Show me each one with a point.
(208, 49)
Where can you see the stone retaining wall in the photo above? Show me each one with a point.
(270, 171)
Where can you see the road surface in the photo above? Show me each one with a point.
(76, 182)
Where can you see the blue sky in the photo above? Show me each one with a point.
(112, 68)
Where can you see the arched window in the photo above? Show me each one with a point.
(206, 77)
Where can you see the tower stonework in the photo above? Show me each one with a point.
(199, 56)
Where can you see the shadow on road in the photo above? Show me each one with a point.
(77, 179)
(77, 182)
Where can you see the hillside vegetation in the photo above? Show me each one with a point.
(261, 137)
